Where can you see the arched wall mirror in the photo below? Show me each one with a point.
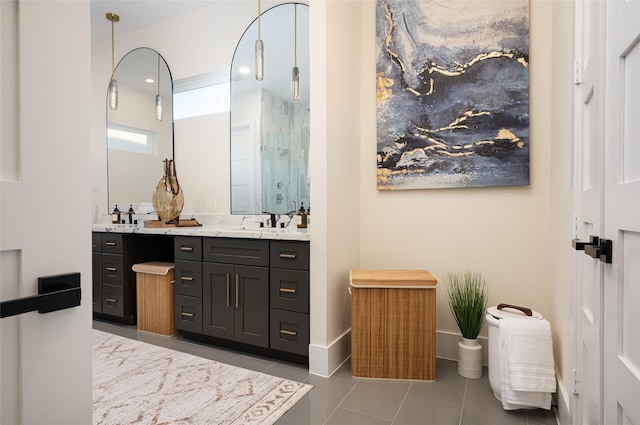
(269, 130)
(137, 142)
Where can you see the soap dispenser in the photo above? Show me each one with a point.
(115, 215)
(303, 217)
(131, 212)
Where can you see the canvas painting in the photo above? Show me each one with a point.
(452, 93)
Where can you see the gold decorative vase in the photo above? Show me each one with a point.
(168, 198)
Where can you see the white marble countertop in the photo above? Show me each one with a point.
(222, 231)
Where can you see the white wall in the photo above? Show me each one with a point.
(202, 155)
(516, 236)
(561, 197)
(334, 168)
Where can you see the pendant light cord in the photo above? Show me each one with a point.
(258, 19)
(113, 50)
(295, 34)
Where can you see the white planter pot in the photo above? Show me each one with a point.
(470, 358)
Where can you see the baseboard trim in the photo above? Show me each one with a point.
(563, 415)
(325, 360)
(447, 346)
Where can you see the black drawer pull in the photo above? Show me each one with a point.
(228, 289)
(286, 332)
(187, 278)
(288, 290)
(286, 256)
(185, 314)
(186, 248)
(112, 269)
(112, 300)
(110, 243)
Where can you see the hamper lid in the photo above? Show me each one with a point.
(153, 267)
(416, 279)
(512, 311)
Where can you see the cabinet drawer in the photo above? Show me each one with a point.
(290, 290)
(188, 313)
(185, 248)
(113, 300)
(112, 269)
(289, 255)
(111, 243)
(290, 332)
(96, 269)
(236, 251)
(96, 242)
(188, 276)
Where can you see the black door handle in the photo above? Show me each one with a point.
(580, 246)
(603, 251)
(54, 293)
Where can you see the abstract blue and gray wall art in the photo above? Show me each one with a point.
(452, 93)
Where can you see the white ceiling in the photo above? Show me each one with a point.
(137, 14)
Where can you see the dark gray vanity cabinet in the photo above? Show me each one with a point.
(289, 291)
(114, 281)
(236, 290)
(110, 295)
(96, 268)
(188, 283)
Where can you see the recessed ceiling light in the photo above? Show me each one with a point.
(149, 80)
(244, 70)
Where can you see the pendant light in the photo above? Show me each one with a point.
(259, 52)
(158, 96)
(112, 92)
(295, 73)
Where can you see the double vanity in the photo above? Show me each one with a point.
(245, 288)
(235, 283)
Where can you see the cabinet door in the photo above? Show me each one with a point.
(96, 269)
(252, 305)
(218, 299)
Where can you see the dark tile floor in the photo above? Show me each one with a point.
(344, 400)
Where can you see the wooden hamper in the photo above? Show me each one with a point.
(393, 315)
(155, 299)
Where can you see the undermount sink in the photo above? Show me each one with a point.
(265, 229)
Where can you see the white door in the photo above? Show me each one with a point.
(243, 171)
(622, 215)
(588, 159)
(45, 207)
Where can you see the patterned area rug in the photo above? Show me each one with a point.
(139, 383)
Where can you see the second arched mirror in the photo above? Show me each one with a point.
(138, 138)
(269, 129)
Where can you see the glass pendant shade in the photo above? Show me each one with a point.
(158, 107)
(295, 83)
(112, 94)
(259, 60)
